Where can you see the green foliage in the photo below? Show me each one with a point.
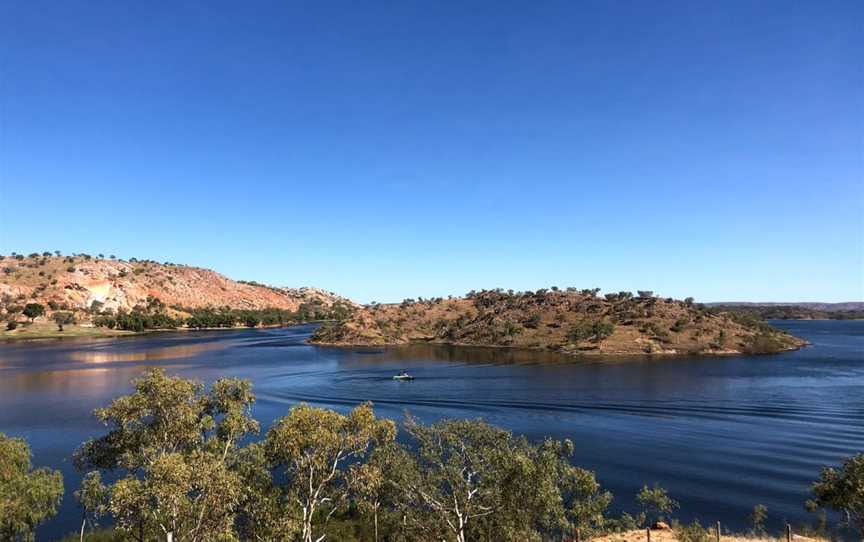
(788, 312)
(98, 535)
(651, 328)
(27, 496)
(680, 324)
(312, 449)
(251, 320)
(842, 490)
(63, 318)
(764, 343)
(222, 318)
(92, 497)
(532, 321)
(376, 488)
(137, 320)
(749, 320)
(656, 503)
(457, 477)
(175, 445)
(694, 532)
(585, 330)
(512, 328)
(33, 311)
(757, 520)
(469, 480)
(180, 464)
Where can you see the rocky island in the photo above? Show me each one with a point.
(570, 321)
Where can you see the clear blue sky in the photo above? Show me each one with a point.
(394, 149)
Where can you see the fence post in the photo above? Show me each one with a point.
(788, 533)
(718, 531)
(648, 533)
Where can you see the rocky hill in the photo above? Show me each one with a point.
(571, 321)
(78, 282)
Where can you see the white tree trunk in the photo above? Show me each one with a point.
(460, 536)
(376, 523)
(169, 536)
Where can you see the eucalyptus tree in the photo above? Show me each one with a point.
(461, 476)
(377, 487)
(656, 504)
(472, 480)
(312, 449)
(174, 446)
(842, 490)
(556, 496)
(27, 496)
(92, 497)
(261, 516)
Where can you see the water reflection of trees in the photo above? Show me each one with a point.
(461, 354)
(168, 352)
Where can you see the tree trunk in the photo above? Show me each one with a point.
(460, 536)
(376, 523)
(169, 536)
(83, 524)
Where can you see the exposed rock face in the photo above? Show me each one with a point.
(572, 322)
(75, 283)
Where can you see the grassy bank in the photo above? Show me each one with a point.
(40, 330)
(50, 331)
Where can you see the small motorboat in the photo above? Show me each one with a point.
(403, 376)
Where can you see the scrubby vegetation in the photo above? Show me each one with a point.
(154, 315)
(571, 321)
(790, 312)
(180, 462)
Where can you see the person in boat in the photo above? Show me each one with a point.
(403, 373)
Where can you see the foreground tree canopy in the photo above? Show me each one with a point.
(27, 496)
(177, 464)
(842, 490)
(183, 475)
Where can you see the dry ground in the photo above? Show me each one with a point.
(670, 536)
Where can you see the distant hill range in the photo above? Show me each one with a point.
(97, 284)
(571, 321)
(850, 310)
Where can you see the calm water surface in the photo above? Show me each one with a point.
(722, 434)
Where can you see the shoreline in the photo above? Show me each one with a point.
(93, 332)
(578, 355)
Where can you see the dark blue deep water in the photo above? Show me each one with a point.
(722, 434)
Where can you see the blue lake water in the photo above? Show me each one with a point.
(722, 434)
